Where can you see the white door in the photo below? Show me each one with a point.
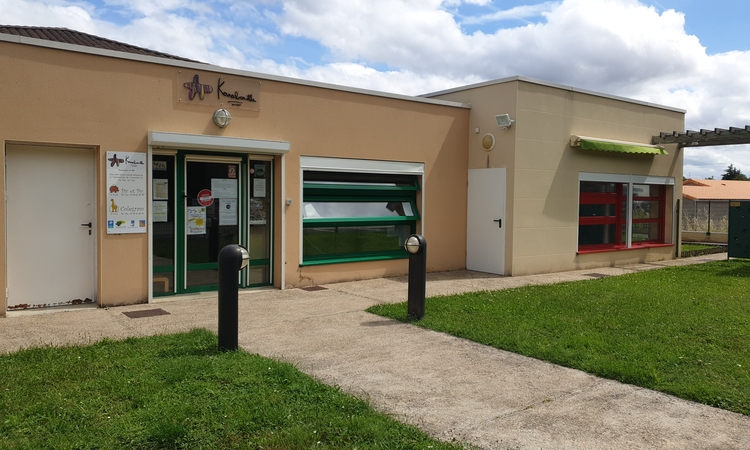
(485, 240)
(49, 240)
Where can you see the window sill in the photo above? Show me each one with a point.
(621, 249)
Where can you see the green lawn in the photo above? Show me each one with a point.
(179, 392)
(690, 247)
(683, 330)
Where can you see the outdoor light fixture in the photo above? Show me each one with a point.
(488, 142)
(245, 257)
(412, 244)
(504, 120)
(222, 118)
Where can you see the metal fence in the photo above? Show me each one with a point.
(705, 216)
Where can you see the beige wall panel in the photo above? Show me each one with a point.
(611, 259)
(547, 170)
(542, 126)
(530, 265)
(315, 275)
(113, 104)
(539, 184)
(486, 103)
(542, 155)
(541, 241)
(396, 131)
(553, 212)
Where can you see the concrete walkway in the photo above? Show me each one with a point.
(448, 387)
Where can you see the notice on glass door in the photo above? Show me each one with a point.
(160, 211)
(160, 189)
(224, 188)
(195, 222)
(126, 192)
(227, 211)
(259, 187)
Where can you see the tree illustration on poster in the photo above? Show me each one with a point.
(126, 192)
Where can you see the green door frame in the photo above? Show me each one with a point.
(180, 268)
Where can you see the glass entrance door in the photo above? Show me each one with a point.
(259, 222)
(212, 219)
(201, 203)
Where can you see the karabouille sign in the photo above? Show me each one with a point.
(210, 89)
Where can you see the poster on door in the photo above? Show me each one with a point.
(227, 211)
(196, 220)
(126, 192)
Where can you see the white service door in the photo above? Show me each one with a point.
(485, 239)
(50, 245)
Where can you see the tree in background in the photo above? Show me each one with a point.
(733, 173)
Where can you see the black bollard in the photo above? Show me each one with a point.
(416, 245)
(232, 259)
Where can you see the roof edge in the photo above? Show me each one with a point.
(225, 70)
(552, 85)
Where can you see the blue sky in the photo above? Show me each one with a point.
(689, 54)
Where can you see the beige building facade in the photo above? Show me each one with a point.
(547, 171)
(122, 181)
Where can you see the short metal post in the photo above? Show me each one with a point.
(416, 245)
(232, 259)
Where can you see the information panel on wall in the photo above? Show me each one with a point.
(126, 192)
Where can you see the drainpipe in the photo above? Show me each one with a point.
(678, 240)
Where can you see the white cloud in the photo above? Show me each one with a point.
(47, 14)
(358, 75)
(621, 47)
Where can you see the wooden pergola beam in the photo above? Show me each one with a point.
(704, 137)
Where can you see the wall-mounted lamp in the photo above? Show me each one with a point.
(222, 118)
(488, 142)
(504, 120)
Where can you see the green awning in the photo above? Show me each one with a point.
(607, 145)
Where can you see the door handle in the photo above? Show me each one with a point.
(499, 222)
(86, 224)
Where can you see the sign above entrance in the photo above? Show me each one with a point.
(210, 89)
(126, 192)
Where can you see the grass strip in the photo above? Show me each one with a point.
(179, 392)
(681, 330)
(692, 247)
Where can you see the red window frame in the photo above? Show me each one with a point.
(620, 200)
(661, 198)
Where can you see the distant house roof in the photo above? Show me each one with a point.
(69, 36)
(715, 190)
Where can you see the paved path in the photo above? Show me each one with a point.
(449, 387)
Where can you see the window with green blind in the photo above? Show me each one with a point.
(349, 217)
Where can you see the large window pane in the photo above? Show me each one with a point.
(646, 209)
(647, 231)
(647, 190)
(339, 210)
(349, 178)
(348, 240)
(596, 210)
(604, 217)
(163, 236)
(593, 186)
(357, 216)
(597, 234)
